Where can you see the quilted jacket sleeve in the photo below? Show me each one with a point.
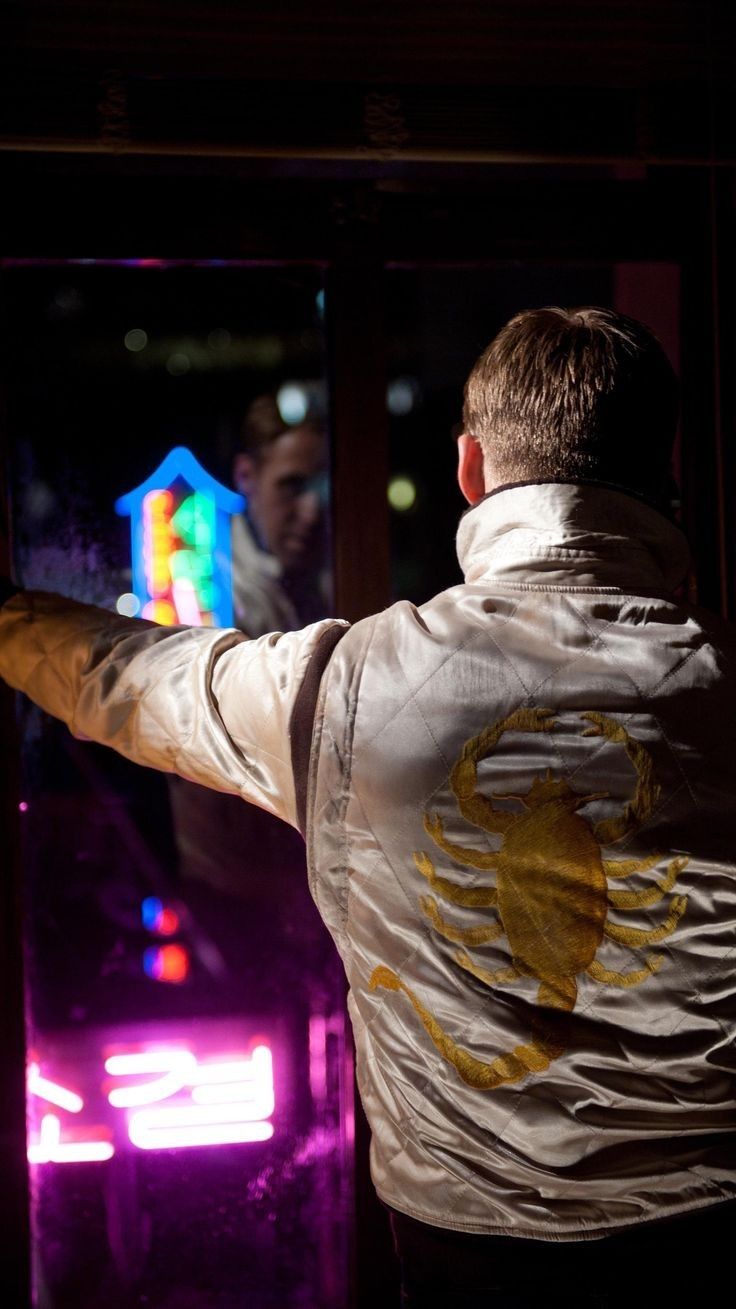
(206, 703)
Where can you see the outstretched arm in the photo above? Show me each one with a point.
(206, 703)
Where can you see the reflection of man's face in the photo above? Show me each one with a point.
(285, 491)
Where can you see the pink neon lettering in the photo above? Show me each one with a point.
(175, 1064)
(223, 1071)
(248, 1081)
(230, 1100)
(170, 1129)
(216, 1102)
(50, 1149)
(52, 1092)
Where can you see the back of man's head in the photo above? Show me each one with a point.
(581, 394)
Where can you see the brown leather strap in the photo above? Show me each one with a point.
(301, 723)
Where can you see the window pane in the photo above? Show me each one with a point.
(189, 1088)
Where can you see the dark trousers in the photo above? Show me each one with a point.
(669, 1263)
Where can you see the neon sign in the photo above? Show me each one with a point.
(180, 535)
(50, 1149)
(161, 1095)
(166, 963)
(159, 917)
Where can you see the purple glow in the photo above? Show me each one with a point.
(193, 1089)
(318, 1057)
(230, 1099)
(248, 1081)
(211, 1082)
(52, 1092)
(233, 1093)
(23, 806)
(228, 1070)
(49, 1149)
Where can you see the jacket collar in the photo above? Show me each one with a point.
(580, 534)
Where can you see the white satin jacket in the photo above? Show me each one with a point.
(518, 807)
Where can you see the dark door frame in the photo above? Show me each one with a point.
(359, 224)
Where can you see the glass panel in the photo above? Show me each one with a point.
(439, 320)
(189, 1082)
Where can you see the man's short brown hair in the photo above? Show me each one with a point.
(574, 393)
(264, 424)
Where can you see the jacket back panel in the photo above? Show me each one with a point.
(522, 839)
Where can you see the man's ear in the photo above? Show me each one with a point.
(470, 469)
(244, 471)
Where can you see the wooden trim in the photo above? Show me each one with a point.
(356, 345)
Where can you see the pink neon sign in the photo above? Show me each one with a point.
(50, 1149)
(52, 1092)
(163, 1096)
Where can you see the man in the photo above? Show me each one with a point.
(279, 584)
(517, 807)
(279, 544)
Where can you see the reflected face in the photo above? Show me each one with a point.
(286, 492)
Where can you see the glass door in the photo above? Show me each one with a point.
(189, 1077)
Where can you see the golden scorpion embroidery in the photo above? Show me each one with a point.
(551, 894)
